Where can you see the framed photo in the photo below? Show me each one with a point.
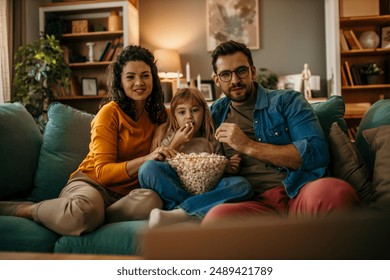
(208, 89)
(232, 20)
(385, 37)
(89, 86)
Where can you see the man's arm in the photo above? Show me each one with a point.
(278, 155)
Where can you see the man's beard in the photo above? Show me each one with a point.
(240, 98)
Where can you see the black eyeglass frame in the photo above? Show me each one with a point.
(247, 68)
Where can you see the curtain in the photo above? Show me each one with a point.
(12, 36)
(5, 66)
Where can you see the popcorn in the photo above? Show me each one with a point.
(198, 172)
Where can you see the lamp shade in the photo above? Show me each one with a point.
(168, 63)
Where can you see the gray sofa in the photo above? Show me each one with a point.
(35, 167)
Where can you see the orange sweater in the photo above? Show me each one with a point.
(115, 139)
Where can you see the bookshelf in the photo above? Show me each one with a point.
(85, 22)
(358, 92)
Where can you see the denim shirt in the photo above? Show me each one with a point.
(282, 117)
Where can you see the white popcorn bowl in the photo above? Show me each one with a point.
(199, 172)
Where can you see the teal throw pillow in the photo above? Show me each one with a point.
(377, 115)
(65, 145)
(20, 142)
(330, 111)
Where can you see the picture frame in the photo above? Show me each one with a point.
(89, 86)
(385, 37)
(232, 20)
(207, 89)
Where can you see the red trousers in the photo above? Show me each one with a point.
(316, 198)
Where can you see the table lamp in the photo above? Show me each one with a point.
(169, 67)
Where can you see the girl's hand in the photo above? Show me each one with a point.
(182, 135)
(160, 154)
(234, 164)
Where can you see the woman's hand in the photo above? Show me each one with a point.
(182, 135)
(234, 164)
(160, 154)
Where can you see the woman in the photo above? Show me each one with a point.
(105, 185)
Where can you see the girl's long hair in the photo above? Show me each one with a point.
(192, 95)
(154, 104)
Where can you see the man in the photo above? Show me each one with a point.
(283, 149)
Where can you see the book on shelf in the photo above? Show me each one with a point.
(355, 39)
(75, 87)
(349, 74)
(343, 42)
(344, 80)
(105, 50)
(118, 49)
(111, 51)
(356, 74)
(353, 43)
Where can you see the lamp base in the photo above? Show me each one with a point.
(167, 90)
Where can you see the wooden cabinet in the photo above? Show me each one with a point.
(85, 22)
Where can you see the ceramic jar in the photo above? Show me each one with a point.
(114, 21)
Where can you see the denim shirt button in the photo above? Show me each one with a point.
(277, 133)
(286, 128)
(259, 139)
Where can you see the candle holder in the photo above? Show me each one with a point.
(90, 45)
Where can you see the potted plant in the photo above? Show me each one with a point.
(40, 71)
(267, 78)
(371, 72)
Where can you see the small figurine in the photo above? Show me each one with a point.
(306, 74)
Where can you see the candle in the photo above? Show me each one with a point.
(178, 80)
(199, 82)
(188, 76)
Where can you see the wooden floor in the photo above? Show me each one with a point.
(48, 256)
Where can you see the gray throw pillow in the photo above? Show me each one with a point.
(346, 163)
(379, 142)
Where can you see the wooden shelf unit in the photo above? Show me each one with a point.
(96, 13)
(364, 93)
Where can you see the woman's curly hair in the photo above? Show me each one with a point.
(154, 104)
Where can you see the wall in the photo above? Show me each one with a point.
(291, 33)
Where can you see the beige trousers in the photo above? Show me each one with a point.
(83, 206)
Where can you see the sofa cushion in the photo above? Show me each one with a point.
(330, 111)
(379, 142)
(377, 115)
(23, 235)
(346, 163)
(119, 238)
(20, 142)
(65, 145)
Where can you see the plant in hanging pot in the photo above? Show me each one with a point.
(40, 72)
(371, 72)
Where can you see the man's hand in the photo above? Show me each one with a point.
(232, 135)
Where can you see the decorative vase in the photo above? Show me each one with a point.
(114, 21)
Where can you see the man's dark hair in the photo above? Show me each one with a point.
(227, 48)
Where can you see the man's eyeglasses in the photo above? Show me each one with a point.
(242, 72)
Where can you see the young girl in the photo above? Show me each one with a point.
(189, 129)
